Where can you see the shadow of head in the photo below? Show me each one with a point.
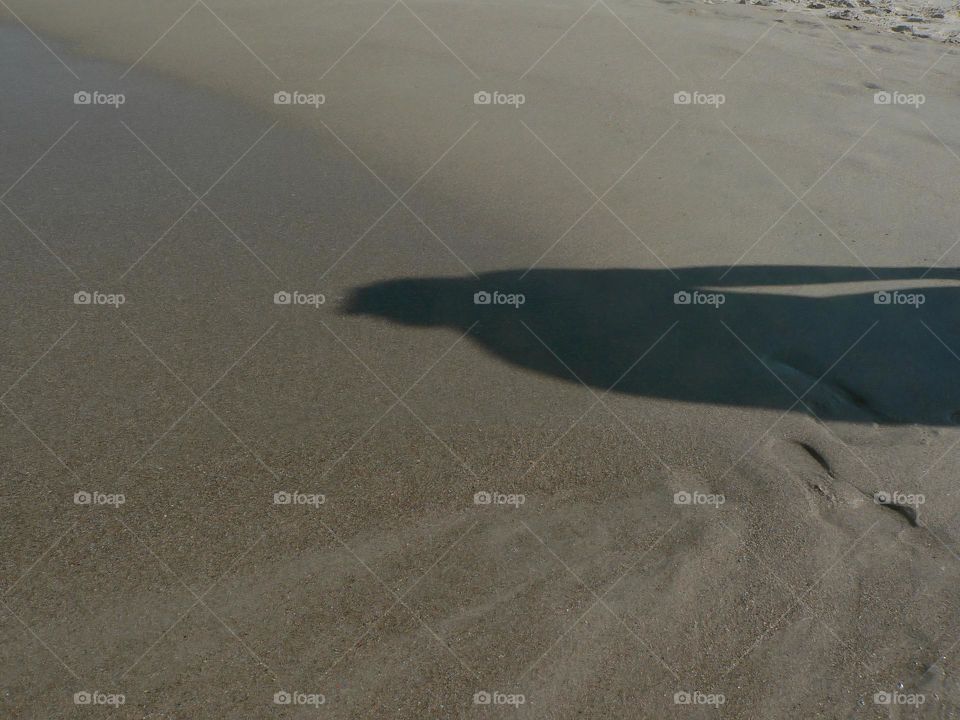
(841, 343)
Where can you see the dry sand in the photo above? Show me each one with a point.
(783, 386)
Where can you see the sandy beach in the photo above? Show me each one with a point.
(438, 359)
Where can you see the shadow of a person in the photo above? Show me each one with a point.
(760, 337)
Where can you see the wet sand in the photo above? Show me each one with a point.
(603, 401)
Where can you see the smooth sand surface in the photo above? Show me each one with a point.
(598, 399)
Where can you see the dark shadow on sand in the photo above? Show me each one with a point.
(846, 356)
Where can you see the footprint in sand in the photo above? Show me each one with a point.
(813, 468)
(803, 461)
